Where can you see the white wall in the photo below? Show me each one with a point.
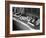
(2, 19)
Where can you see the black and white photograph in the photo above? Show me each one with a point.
(26, 18)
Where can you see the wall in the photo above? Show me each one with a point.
(2, 19)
